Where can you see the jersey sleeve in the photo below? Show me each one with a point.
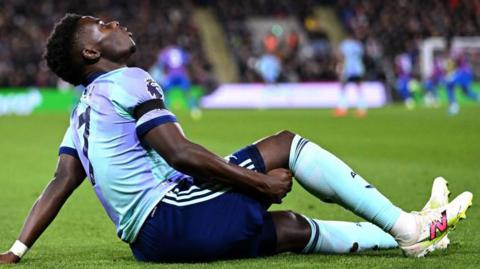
(67, 146)
(137, 88)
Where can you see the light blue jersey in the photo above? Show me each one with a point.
(352, 51)
(128, 177)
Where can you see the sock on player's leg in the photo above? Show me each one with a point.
(331, 180)
(346, 237)
(361, 103)
(342, 98)
(451, 93)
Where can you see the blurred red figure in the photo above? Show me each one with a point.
(270, 43)
(293, 40)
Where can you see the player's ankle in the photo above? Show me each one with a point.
(405, 228)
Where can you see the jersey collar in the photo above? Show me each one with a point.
(90, 78)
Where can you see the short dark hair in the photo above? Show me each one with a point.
(58, 53)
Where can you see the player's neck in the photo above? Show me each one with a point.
(102, 67)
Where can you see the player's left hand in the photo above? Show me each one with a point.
(8, 257)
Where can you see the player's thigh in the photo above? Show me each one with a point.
(203, 223)
(292, 230)
(266, 154)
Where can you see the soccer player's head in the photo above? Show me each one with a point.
(82, 44)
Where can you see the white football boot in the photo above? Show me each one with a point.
(434, 224)
(439, 198)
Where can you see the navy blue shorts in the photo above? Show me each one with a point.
(207, 221)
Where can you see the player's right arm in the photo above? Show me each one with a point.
(139, 97)
(193, 159)
(68, 176)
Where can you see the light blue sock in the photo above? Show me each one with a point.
(361, 103)
(346, 237)
(331, 180)
(343, 98)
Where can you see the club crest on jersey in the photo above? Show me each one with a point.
(153, 88)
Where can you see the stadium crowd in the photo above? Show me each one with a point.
(399, 26)
(311, 62)
(25, 26)
(386, 30)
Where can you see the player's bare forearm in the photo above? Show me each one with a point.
(68, 177)
(195, 160)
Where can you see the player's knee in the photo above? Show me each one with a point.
(295, 220)
(275, 149)
(289, 215)
(285, 135)
(293, 231)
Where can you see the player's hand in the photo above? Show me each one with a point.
(8, 257)
(279, 183)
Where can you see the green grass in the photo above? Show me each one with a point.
(398, 151)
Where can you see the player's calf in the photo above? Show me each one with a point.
(330, 179)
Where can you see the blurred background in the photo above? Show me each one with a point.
(264, 53)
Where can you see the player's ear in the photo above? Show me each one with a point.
(91, 54)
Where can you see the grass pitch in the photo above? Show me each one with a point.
(398, 151)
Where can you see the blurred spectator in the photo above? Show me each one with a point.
(293, 42)
(386, 29)
(310, 62)
(269, 67)
(206, 77)
(398, 26)
(25, 26)
(270, 43)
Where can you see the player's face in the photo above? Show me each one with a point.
(112, 40)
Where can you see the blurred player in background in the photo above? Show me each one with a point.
(352, 70)
(173, 200)
(269, 67)
(403, 68)
(459, 74)
(173, 62)
(434, 81)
